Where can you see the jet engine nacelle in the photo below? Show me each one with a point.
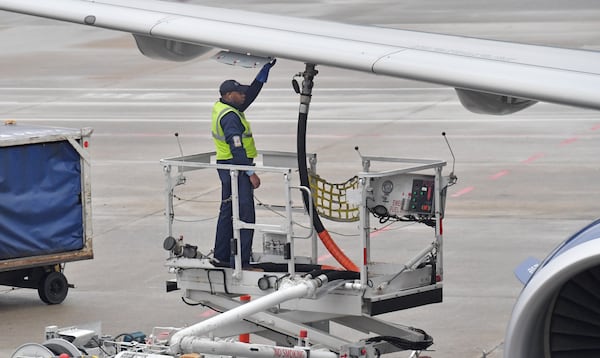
(162, 49)
(558, 312)
(489, 103)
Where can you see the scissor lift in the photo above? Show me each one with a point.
(293, 294)
(294, 301)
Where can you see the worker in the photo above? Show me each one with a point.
(235, 145)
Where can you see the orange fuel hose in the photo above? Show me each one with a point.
(336, 252)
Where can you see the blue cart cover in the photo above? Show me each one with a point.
(40, 200)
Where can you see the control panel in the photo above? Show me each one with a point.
(402, 194)
(421, 200)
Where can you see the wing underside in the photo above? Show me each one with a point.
(511, 73)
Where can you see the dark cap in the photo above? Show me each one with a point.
(232, 86)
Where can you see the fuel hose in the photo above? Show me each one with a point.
(323, 234)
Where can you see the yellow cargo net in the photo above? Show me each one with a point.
(330, 199)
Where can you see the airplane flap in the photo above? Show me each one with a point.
(240, 59)
(526, 269)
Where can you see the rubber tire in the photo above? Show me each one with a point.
(53, 288)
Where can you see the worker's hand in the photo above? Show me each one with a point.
(254, 180)
(263, 75)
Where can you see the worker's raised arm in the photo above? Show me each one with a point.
(254, 88)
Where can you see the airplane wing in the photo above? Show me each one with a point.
(490, 76)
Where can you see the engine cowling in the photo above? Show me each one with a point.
(557, 315)
(489, 103)
(162, 49)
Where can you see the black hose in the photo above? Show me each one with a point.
(303, 169)
(333, 275)
(305, 97)
(341, 275)
(404, 343)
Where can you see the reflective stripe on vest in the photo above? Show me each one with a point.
(220, 109)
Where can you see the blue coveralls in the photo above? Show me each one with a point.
(232, 126)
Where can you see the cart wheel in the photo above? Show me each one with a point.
(53, 288)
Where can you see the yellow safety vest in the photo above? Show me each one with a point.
(220, 109)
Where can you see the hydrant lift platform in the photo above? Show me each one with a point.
(291, 293)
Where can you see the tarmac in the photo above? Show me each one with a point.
(526, 181)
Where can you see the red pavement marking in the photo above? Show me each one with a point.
(463, 192)
(569, 140)
(533, 158)
(529, 160)
(208, 313)
(379, 231)
(500, 174)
